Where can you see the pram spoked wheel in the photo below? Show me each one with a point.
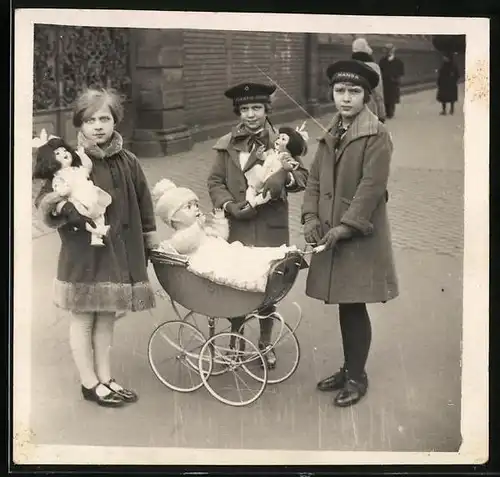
(284, 343)
(173, 352)
(234, 352)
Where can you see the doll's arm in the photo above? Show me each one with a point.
(86, 162)
(217, 225)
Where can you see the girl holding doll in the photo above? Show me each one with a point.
(237, 152)
(97, 285)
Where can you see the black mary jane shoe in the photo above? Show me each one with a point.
(127, 395)
(109, 400)
(352, 392)
(334, 382)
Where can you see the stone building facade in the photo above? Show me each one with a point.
(173, 80)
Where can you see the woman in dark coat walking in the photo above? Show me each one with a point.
(99, 284)
(236, 153)
(344, 210)
(447, 83)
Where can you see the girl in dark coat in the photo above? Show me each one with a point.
(98, 284)
(447, 83)
(237, 152)
(344, 210)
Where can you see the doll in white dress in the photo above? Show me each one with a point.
(289, 144)
(69, 172)
(204, 241)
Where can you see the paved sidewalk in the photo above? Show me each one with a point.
(414, 365)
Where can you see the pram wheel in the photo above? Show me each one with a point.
(173, 352)
(232, 351)
(209, 327)
(284, 343)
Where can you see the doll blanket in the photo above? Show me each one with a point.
(234, 264)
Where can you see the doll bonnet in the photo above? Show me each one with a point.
(168, 199)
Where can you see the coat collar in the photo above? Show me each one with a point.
(227, 143)
(365, 124)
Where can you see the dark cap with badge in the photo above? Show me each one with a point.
(353, 71)
(246, 93)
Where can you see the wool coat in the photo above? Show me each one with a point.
(447, 82)
(112, 278)
(392, 72)
(348, 186)
(227, 182)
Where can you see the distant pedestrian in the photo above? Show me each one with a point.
(361, 51)
(393, 70)
(447, 83)
(266, 225)
(344, 209)
(97, 285)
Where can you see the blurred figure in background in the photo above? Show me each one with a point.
(361, 51)
(447, 83)
(393, 70)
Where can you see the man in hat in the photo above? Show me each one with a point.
(236, 153)
(344, 213)
(393, 70)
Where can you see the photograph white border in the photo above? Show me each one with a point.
(474, 420)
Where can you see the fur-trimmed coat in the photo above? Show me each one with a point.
(114, 277)
(227, 182)
(348, 186)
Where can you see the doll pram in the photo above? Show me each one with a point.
(207, 358)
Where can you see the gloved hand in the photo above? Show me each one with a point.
(275, 184)
(74, 218)
(334, 235)
(241, 210)
(312, 229)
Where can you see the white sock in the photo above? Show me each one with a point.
(80, 340)
(103, 339)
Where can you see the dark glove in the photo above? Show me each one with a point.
(241, 210)
(312, 230)
(74, 218)
(275, 184)
(334, 235)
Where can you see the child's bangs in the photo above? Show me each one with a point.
(94, 104)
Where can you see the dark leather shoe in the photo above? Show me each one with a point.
(333, 383)
(351, 393)
(109, 400)
(269, 356)
(127, 395)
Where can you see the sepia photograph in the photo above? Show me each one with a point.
(254, 238)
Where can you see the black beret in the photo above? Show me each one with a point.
(245, 93)
(353, 71)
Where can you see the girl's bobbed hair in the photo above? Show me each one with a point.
(92, 100)
(46, 163)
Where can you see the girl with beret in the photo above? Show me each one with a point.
(99, 284)
(236, 153)
(344, 211)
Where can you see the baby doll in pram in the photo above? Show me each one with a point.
(290, 144)
(203, 239)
